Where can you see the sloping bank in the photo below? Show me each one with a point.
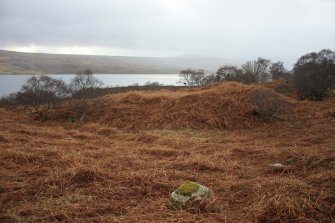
(220, 106)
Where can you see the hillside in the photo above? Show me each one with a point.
(135, 148)
(220, 106)
(36, 63)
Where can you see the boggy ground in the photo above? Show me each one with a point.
(93, 172)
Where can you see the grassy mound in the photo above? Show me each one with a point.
(221, 106)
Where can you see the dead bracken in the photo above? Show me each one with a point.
(125, 160)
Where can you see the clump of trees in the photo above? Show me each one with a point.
(42, 90)
(254, 71)
(225, 73)
(314, 74)
(37, 92)
(83, 88)
(42, 93)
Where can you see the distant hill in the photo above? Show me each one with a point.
(36, 63)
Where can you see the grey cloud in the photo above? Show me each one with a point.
(277, 29)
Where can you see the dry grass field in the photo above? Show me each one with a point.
(133, 150)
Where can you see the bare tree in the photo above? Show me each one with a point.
(191, 77)
(186, 76)
(83, 87)
(278, 71)
(32, 93)
(256, 71)
(83, 82)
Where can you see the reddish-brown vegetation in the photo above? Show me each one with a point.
(122, 164)
(220, 106)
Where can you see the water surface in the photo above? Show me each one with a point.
(12, 83)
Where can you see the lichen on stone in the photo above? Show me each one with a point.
(189, 191)
(178, 200)
(187, 188)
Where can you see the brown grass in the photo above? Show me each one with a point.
(100, 171)
(220, 106)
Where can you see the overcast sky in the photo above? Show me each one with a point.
(238, 29)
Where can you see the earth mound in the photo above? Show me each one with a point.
(220, 106)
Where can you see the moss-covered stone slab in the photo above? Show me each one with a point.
(189, 191)
(187, 188)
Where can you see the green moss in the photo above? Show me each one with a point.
(289, 161)
(187, 188)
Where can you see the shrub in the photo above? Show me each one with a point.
(314, 74)
(269, 105)
(228, 73)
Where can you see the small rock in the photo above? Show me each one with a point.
(277, 166)
(189, 191)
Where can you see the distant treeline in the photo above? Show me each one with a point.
(312, 76)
